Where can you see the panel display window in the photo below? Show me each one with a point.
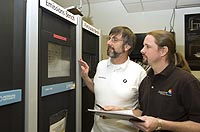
(90, 54)
(57, 73)
(58, 60)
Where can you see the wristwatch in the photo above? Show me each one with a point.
(159, 127)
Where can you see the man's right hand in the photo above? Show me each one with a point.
(84, 68)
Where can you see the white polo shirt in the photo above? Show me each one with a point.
(116, 85)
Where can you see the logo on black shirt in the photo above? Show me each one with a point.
(168, 93)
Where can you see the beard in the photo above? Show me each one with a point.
(112, 53)
(145, 60)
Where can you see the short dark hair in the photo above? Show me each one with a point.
(127, 35)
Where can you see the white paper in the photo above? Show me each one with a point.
(58, 126)
(122, 115)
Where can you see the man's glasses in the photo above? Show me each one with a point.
(113, 39)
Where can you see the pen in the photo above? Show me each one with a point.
(100, 107)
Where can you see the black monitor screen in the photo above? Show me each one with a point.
(136, 54)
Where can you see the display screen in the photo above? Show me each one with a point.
(139, 43)
(136, 54)
(58, 60)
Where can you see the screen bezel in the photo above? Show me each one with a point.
(47, 37)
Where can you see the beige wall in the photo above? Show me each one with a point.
(103, 47)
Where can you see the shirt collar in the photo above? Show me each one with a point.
(122, 66)
(166, 72)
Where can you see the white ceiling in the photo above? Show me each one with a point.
(132, 6)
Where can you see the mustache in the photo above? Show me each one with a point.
(109, 47)
(144, 56)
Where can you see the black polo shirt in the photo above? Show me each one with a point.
(173, 94)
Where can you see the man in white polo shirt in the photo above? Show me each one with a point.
(116, 81)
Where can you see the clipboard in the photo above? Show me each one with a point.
(116, 115)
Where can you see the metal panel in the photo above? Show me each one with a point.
(78, 77)
(31, 95)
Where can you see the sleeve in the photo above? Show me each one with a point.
(142, 75)
(97, 71)
(191, 99)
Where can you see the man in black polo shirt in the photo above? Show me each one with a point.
(169, 97)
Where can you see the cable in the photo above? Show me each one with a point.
(80, 5)
(173, 18)
(172, 21)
